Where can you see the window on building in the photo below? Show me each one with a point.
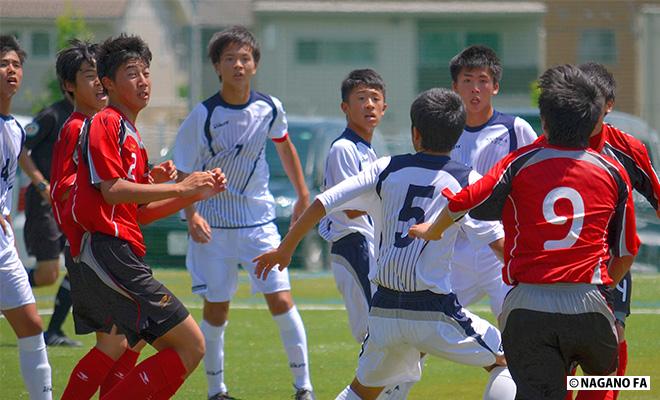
(310, 51)
(40, 44)
(597, 45)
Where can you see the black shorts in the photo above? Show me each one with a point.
(540, 348)
(43, 238)
(113, 286)
(621, 298)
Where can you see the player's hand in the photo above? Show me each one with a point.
(423, 231)
(45, 194)
(269, 260)
(196, 183)
(299, 208)
(220, 184)
(199, 229)
(163, 172)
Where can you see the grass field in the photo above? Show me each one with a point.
(256, 366)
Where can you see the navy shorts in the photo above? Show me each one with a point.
(113, 286)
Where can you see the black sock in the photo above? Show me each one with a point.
(62, 306)
(30, 273)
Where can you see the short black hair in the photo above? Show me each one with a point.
(70, 60)
(570, 105)
(439, 116)
(476, 56)
(361, 77)
(603, 79)
(9, 43)
(237, 34)
(115, 51)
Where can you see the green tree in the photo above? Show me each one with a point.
(70, 25)
(534, 93)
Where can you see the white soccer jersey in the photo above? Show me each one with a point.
(12, 138)
(398, 192)
(482, 146)
(349, 155)
(233, 138)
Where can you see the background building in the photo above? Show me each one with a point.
(309, 46)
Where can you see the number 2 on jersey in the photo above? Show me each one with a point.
(551, 216)
(409, 212)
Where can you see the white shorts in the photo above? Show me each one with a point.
(214, 265)
(352, 259)
(15, 288)
(403, 325)
(476, 273)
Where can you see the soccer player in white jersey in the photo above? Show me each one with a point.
(229, 130)
(351, 232)
(414, 309)
(488, 136)
(16, 299)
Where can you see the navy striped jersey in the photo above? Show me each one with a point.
(349, 155)
(12, 138)
(398, 192)
(233, 137)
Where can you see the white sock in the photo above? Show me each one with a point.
(294, 339)
(347, 394)
(35, 368)
(500, 386)
(214, 358)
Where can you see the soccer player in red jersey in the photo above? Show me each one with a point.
(564, 208)
(111, 195)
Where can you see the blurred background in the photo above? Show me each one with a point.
(309, 46)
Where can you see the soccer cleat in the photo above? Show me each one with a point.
(303, 394)
(60, 339)
(222, 396)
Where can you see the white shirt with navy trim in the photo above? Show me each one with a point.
(398, 192)
(482, 146)
(233, 138)
(349, 155)
(12, 137)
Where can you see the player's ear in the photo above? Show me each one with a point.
(107, 83)
(609, 106)
(344, 107)
(496, 88)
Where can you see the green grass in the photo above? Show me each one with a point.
(256, 366)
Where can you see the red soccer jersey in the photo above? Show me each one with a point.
(634, 157)
(111, 149)
(563, 210)
(63, 176)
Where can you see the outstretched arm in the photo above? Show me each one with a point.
(281, 257)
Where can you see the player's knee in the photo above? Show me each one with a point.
(192, 353)
(47, 272)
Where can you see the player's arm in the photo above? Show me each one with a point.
(281, 257)
(198, 228)
(619, 268)
(163, 172)
(118, 191)
(344, 196)
(340, 165)
(30, 168)
(163, 208)
(291, 163)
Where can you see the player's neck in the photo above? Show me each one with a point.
(235, 95)
(366, 134)
(5, 105)
(84, 110)
(434, 153)
(479, 118)
(129, 114)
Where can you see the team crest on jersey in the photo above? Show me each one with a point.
(31, 129)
